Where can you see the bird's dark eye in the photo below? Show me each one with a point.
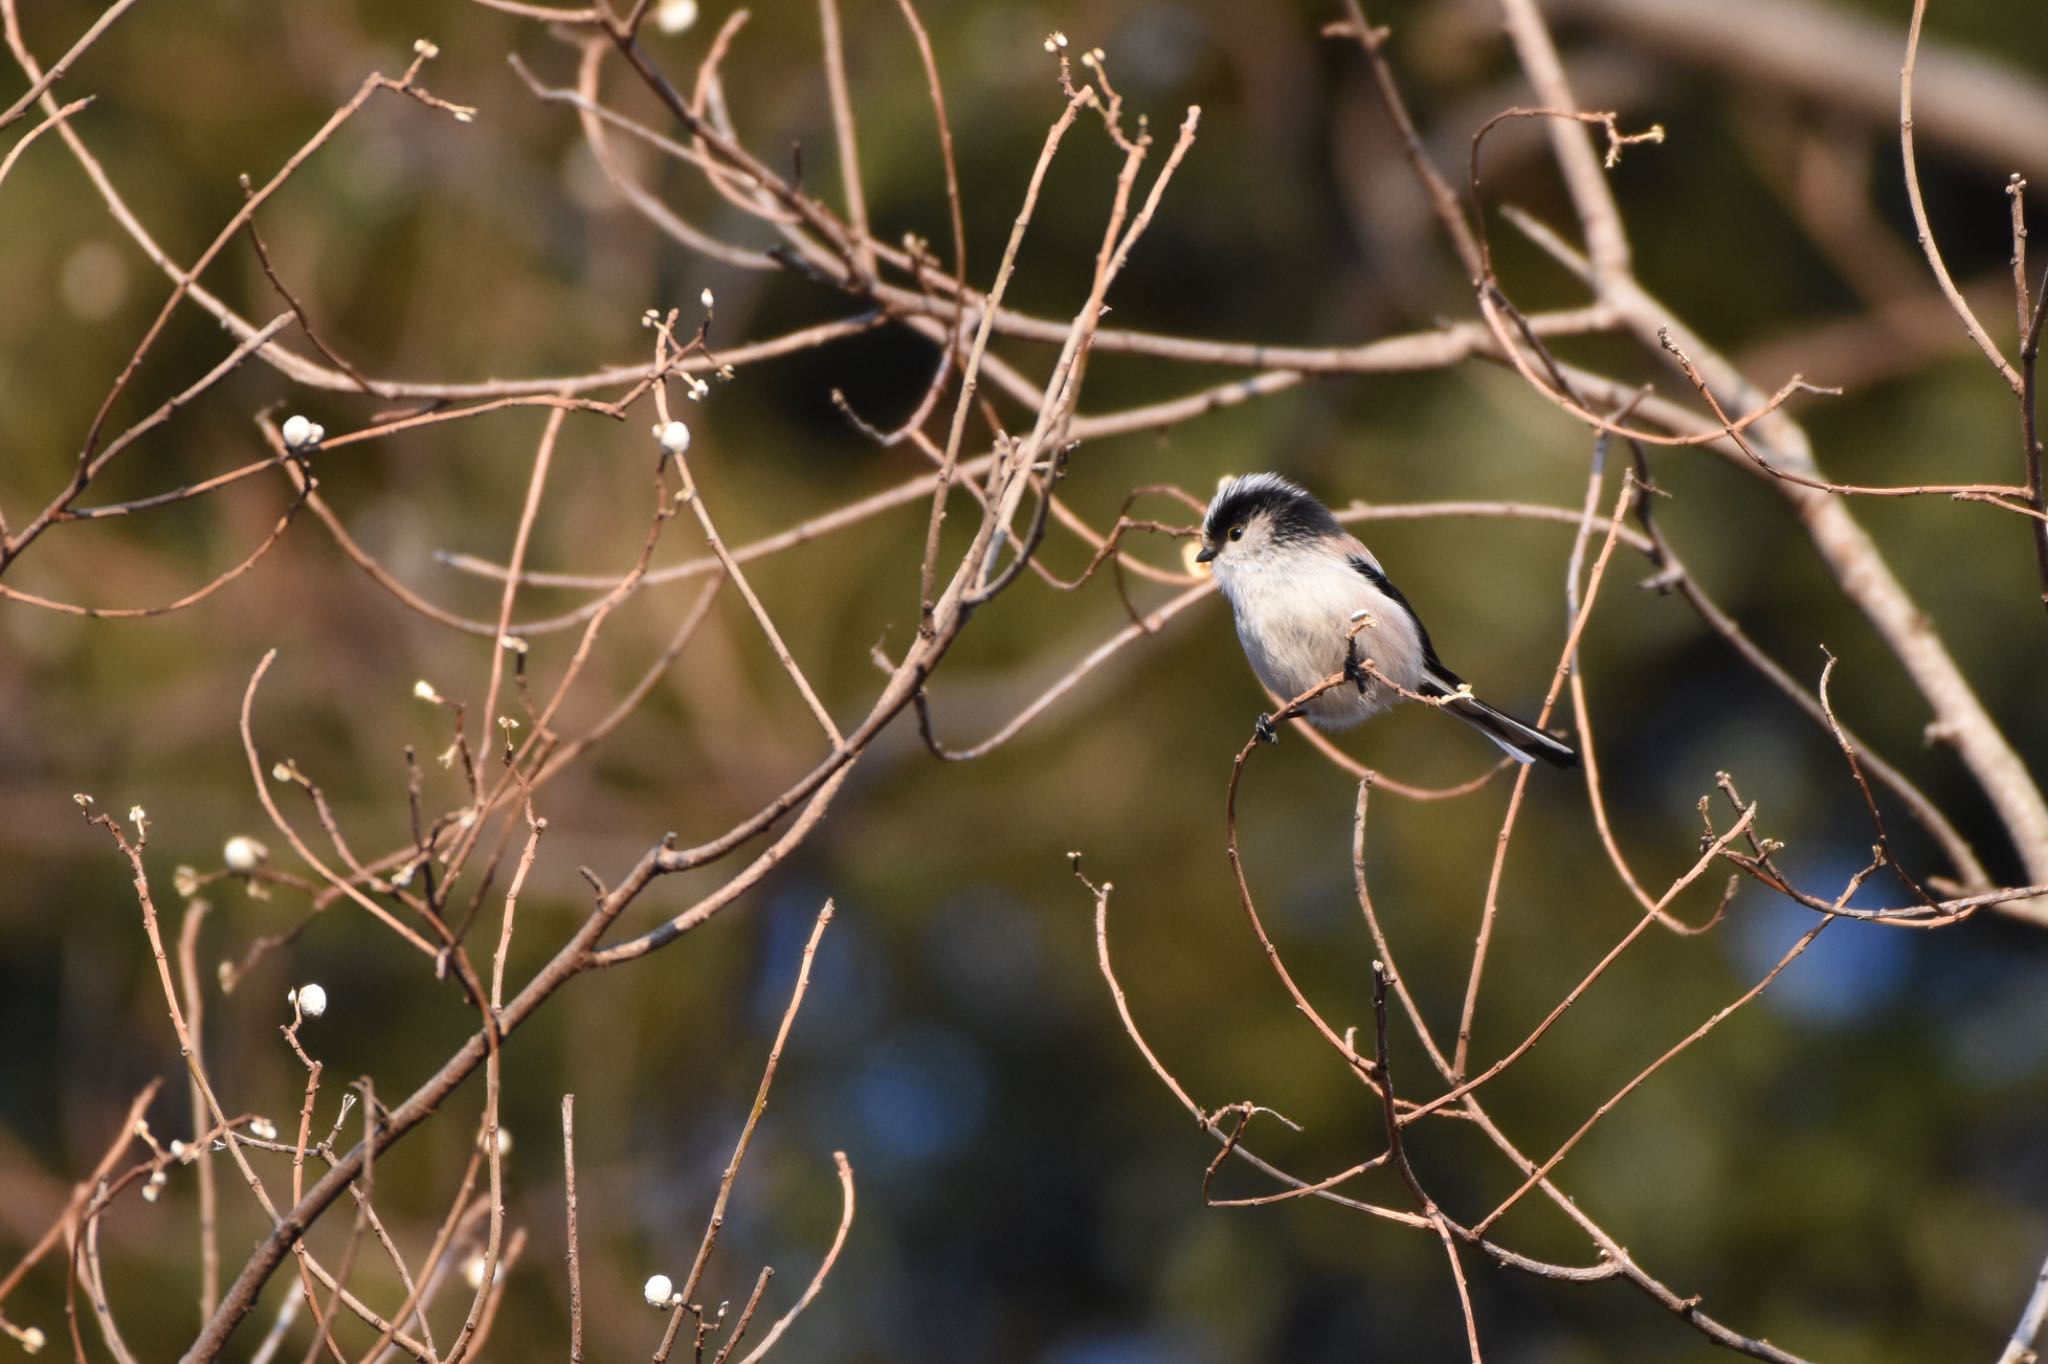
(1237, 532)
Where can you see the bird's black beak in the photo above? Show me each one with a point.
(1205, 554)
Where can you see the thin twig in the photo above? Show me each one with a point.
(1924, 232)
(746, 1137)
(574, 1257)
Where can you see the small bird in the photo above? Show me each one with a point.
(1310, 600)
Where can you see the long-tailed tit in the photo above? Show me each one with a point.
(1310, 600)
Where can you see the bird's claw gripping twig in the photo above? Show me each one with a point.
(1354, 668)
(1264, 731)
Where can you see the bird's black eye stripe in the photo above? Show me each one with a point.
(1292, 516)
(1237, 532)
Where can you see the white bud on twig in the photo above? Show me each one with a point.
(675, 16)
(302, 433)
(424, 690)
(512, 644)
(263, 1129)
(33, 1340)
(1055, 40)
(311, 1000)
(243, 853)
(674, 437)
(660, 1291)
(473, 1271)
(706, 299)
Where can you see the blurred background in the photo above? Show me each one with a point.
(1853, 1167)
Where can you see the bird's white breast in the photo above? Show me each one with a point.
(1293, 613)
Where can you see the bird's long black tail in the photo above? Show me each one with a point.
(1523, 743)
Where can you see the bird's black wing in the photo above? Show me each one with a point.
(1521, 742)
(1438, 679)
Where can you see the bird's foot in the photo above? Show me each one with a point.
(1264, 731)
(1354, 670)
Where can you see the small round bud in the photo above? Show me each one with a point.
(424, 690)
(263, 1129)
(33, 1340)
(473, 1271)
(311, 999)
(301, 433)
(675, 16)
(243, 853)
(674, 437)
(660, 1291)
(705, 298)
